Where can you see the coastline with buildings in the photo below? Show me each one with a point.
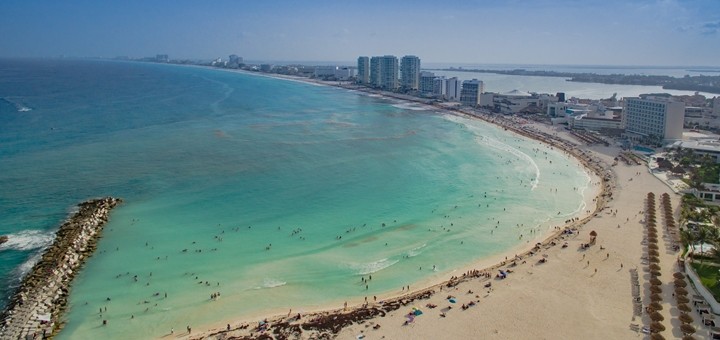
(489, 297)
(348, 322)
(646, 117)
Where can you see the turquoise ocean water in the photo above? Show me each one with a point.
(274, 193)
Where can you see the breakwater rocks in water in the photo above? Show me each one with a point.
(38, 304)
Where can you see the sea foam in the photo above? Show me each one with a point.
(28, 240)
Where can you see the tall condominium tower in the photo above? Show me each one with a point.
(470, 93)
(384, 72)
(363, 67)
(656, 118)
(410, 72)
(452, 92)
(426, 82)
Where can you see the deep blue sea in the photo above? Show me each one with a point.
(275, 193)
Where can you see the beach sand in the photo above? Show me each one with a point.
(576, 293)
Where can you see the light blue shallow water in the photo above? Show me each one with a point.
(274, 193)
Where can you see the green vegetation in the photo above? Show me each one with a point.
(709, 275)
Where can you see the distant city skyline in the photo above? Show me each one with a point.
(566, 32)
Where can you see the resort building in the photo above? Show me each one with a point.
(384, 72)
(716, 106)
(439, 87)
(363, 70)
(325, 71)
(452, 91)
(410, 72)
(234, 61)
(515, 101)
(470, 93)
(427, 80)
(653, 118)
(701, 147)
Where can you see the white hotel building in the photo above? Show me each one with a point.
(654, 118)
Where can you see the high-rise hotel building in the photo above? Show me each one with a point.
(363, 67)
(653, 117)
(410, 72)
(471, 91)
(384, 72)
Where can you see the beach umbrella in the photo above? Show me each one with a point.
(689, 337)
(654, 259)
(652, 239)
(655, 316)
(656, 306)
(593, 233)
(655, 281)
(682, 299)
(657, 326)
(654, 266)
(652, 229)
(687, 329)
(684, 307)
(655, 273)
(681, 291)
(657, 336)
(655, 289)
(653, 246)
(679, 275)
(685, 318)
(655, 297)
(653, 252)
(680, 283)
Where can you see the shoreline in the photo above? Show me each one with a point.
(38, 305)
(318, 319)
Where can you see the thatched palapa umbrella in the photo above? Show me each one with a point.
(680, 283)
(682, 299)
(655, 316)
(689, 337)
(684, 307)
(656, 306)
(681, 291)
(655, 281)
(655, 289)
(653, 252)
(655, 297)
(654, 266)
(685, 318)
(653, 246)
(654, 259)
(657, 336)
(655, 273)
(657, 327)
(687, 329)
(679, 275)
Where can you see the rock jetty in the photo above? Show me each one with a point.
(36, 309)
(3, 239)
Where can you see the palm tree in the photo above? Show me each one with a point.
(688, 237)
(704, 234)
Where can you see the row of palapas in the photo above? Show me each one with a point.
(653, 258)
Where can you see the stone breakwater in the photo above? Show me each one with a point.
(37, 306)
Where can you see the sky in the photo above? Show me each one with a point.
(564, 32)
